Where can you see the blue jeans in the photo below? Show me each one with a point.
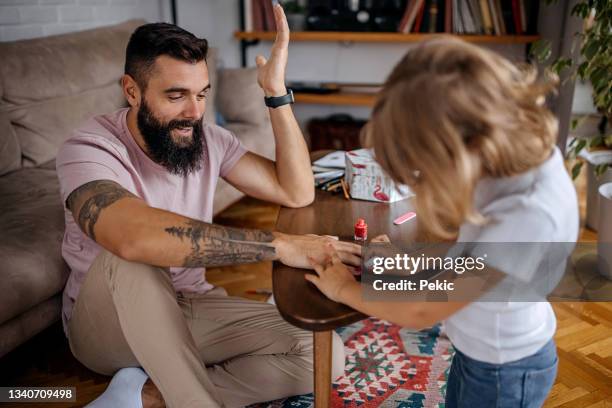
(524, 383)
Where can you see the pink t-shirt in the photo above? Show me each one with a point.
(104, 149)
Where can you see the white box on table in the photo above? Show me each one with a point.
(367, 180)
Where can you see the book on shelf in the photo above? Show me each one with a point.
(258, 15)
(487, 22)
(412, 9)
(488, 17)
(247, 15)
(448, 16)
(268, 15)
(493, 16)
(419, 19)
(516, 15)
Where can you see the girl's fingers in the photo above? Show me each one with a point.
(312, 279)
(315, 265)
(318, 268)
(352, 269)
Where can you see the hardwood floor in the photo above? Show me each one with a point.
(584, 335)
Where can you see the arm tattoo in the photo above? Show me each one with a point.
(215, 245)
(94, 197)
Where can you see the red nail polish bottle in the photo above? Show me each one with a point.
(361, 230)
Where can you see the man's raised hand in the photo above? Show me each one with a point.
(271, 72)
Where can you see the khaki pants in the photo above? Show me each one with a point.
(200, 350)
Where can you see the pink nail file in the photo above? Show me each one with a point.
(403, 218)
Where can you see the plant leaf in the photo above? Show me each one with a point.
(576, 170)
(596, 141)
(540, 50)
(561, 64)
(600, 169)
(579, 146)
(590, 49)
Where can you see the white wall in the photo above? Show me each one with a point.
(22, 19)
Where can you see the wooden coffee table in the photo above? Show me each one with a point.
(301, 303)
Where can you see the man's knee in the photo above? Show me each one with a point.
(337, 356)
(338, 359)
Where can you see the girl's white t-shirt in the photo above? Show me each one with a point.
(536, 206)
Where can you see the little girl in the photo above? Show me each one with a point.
(470, 133)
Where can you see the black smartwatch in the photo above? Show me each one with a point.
(276, 101)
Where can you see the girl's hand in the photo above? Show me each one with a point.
(332, 276)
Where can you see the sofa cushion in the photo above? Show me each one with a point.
(32, 225)
(257, 139)
(41, 128)
(31, 322)
(239, 97)
(50, 85)
(10, 151)
(210, 116)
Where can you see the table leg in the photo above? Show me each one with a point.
(322, 368)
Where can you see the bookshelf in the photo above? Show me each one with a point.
(482, 22)
(364, 99)
(357, 37)
(337, 98)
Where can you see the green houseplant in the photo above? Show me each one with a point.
(593, 64)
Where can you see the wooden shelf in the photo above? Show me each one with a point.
(365, 99)
(336, 98)
(332, 36)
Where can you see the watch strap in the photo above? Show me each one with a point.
(276, 101)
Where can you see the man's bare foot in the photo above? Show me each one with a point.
(151, 397)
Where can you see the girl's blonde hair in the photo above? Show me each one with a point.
(452, 113)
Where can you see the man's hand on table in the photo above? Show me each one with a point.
(296, 250)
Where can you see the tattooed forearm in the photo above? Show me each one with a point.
(215, 245)
(90, 199)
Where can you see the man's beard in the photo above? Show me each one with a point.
(178, 158)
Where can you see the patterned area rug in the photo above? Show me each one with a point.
(386, 366)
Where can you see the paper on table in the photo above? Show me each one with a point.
(329, 174)
(319, 169)
(334, 159)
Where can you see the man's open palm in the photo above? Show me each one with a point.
(271, 73)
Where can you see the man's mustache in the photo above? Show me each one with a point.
(175, 124)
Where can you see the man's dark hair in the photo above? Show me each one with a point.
(150, 41)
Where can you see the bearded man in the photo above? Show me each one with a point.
(138, 188)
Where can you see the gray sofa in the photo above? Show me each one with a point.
(48, 86)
